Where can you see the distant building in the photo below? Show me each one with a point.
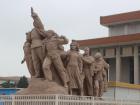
(122, 51)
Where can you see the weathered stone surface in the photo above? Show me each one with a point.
(40, 86)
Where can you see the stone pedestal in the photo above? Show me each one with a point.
(40, 86)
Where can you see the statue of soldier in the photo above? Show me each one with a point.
(52, 44)
(36, 38)
(98, 76)
(105, 76)
(88, 71)
(74, 66)
(28, 56)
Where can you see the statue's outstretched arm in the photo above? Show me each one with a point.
(88, 60)
(62, 40)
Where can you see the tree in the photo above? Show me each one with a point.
(23, 82)
(8, 84)
(5, 84)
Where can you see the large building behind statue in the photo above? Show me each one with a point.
(122, 51)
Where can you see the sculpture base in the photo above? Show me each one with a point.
(40, 86)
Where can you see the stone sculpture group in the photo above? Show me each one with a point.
(48, 62)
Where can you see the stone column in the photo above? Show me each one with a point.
(136, 65)
(118, 64)
(101, 51)
(92, 51)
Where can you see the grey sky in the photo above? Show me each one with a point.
(76, 19)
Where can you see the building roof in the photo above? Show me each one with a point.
(120, 18)
(110, 40)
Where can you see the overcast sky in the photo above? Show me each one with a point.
(76, 19)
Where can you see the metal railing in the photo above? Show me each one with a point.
(61, 100)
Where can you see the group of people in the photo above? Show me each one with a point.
(96, 70)
(45, 56)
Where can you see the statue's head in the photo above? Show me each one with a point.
(86, 51)
(74, 45)
(98, 55)
(50, 33)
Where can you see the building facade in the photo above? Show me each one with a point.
(121, 49)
